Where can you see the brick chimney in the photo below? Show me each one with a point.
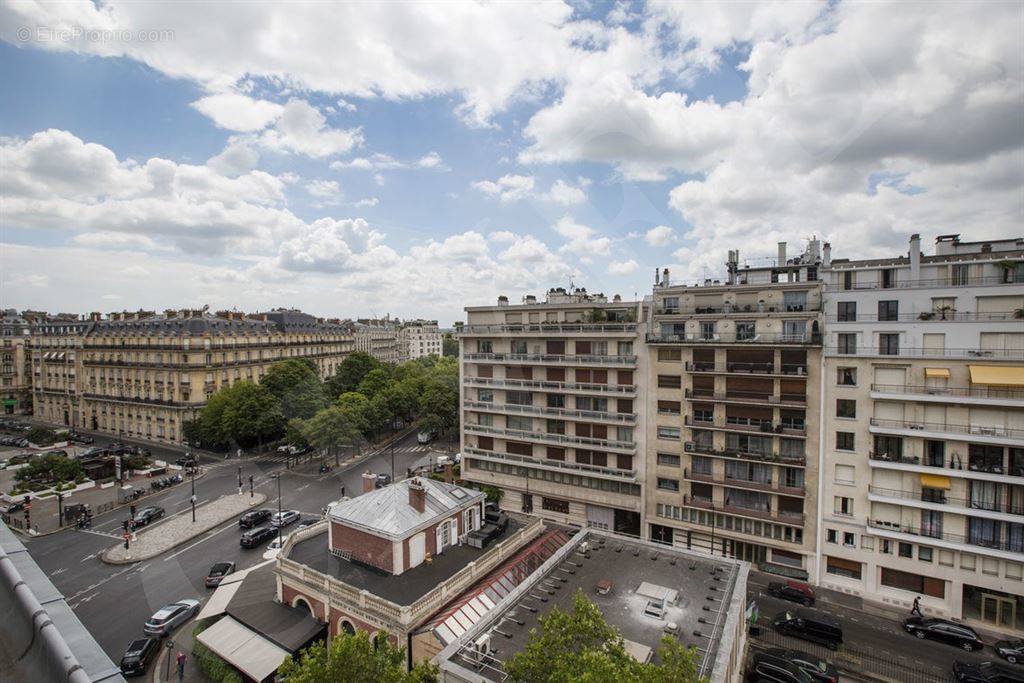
(369, 481)
(449, 475)
(417, 495)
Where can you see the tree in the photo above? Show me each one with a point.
(357, 407)
(449, 345)
(252, 415)
(330, 428)
(350, 373)
(297, 386)
(374, 382)
(355, 658)
(579, 645)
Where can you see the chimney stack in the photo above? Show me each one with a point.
(449, 475)
(418, 495)
(782, 254)
(826, 259)
(369, 481)
(915, 257)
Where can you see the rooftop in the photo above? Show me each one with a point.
(254, 605)
(404, 589)
(694, 591)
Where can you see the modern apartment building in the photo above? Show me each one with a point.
(55, 346)
(923, 430)
(419, 338)
(15, 366)
(732, 437)
(551, 399)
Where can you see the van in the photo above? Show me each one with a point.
(811, 626)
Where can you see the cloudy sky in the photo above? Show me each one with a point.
(411, 159)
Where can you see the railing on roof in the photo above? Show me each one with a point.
(922, 352)
(549, 328)
(933, 316)
(920, 283)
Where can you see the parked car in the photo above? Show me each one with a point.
(768, 668)
(425, 437)
(795, 591)
(256, 537)
(254, 518)
(285, 448)
(148, 515)
(987, 672)
(818, 669)
(1011, 650)
(284, 518)
(81, 438)
(218, 572)
(812, 626)
(307, 522)
(187, 461)
(944, 631)
(138, 656)
(382, 481)
(274, 549)
(169, 617)
(299, 450)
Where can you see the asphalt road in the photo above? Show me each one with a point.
(114, 601)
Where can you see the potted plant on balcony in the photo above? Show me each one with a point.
(926, 315)
(1018, 313)
(943, 310)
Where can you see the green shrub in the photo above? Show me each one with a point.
(41, 436)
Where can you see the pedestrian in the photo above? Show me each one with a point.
(181, 665)
(916, 609)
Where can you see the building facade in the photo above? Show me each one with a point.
(379, 338)
(732, 456)
(923, 482)
(551, 399)
(420, 338)
(56, 347)
(15, 364)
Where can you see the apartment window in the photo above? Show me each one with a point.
(485, 371)
(845, 474)
(624, 433)
(555, 505)
(623, 461)
(702, 465)
(846, 311)
(831, 536)
(905, 550)
(668, 484)
(555, 347)
(670, 382)
(485, 395)
(555, 374)
(518, 346)
(846, 407)
(1014, 274)
(485, 419)
(668, 460)
(668, 433)
(847, 342)
(519, 448)
(555, 427)
(670, 355)
(888, 310)
(556, 400)
(843, 506)
(592, 458)
(625, 377)
(889, 446)
(707, 330)
(924, 554)
(554, 453)
(519, 398)
(848, 280)
(959, 275)
(849, 540)
(888, 278)
(624, 405)
(888, 344)
(669, 407)
(485, 346)
(670, 304)
(841, 567)
(794, 301)
(745, 330)
(846, 377)
(625, 348)
(844, 441)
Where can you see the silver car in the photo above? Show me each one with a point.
(284, 518)
(169, 617)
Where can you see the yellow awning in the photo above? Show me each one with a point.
(1003, 375)
(936, 372)
(935, 481)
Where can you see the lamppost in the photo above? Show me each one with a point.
(278, 477)
(239, 480)
(193, 498)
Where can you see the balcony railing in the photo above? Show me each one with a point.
(920, 283)
(767, 486)
(942, 498)
(746, 397)
(1006, 545)
(516, 384)
(780, 458)
(926, 316)
(748, 425)
(575, 467)
(787, 369)
(974, 430)
(738, 309)
(813, 339)
(960, 392)
(917, 351)
(956, 464)
(549, 358)
(628, 446)
(784, 516)
(517, 409)
(550, 328)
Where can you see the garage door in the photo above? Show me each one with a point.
(417, 549)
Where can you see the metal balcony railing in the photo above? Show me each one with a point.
(546, 358)
(926, 316)
(749, 426)
(788, 369)
(964, 392)
(977, 430)
(784, 516)
(575, 467)
(746, 397)
(811, 339)
(550, 328)
(738, 309)
(517, 409)
(547, 385)
(1007, 545)
(739, 454)
(942, 498)
(766, 486)
(1000, 354)
(556, 438)
(954, 463)
(922, 283)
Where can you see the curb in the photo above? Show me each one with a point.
(258, 499)
(165, 652)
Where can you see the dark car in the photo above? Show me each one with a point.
(186, 461)
(382, 480)
(218, 572)
(1011, 650)
(81, 438)
(818, 669)
(138, 656)
(148, 515)
(256, 537)
(307, 522)
(795, 591)
(765, 667)
(944, 631)
(987, 672)
(253, 518)
(812, 626)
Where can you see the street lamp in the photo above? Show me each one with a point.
(239, 480)
(278, 477)
(193, 498)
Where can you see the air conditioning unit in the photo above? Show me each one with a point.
(480, 650)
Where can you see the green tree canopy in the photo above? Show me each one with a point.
(330, 429)
(449, 345)
(355, 658)
(296, 384)
(350, 373)
(244, 413)
(374, 382)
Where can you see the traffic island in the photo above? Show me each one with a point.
(180, 529)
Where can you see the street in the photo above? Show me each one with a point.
(114, 601)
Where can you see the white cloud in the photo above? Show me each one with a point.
(113, 240)
(334, 246)
(502, 236)
(565, 194)
(238, 112)
(302, 129)
(508, 188)
(325, 189)
(659, 236)
(623, 267)
(366, 202)
(431, 161)
(581, 239)
(345, 106)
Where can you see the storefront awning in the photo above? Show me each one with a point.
(935, 481)
(246, 650)
(936, 373)
(1002, 375)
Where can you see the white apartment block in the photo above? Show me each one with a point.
(420, 338)
(551, 394)
(923, 438)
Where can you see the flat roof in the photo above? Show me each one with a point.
(640, 572)
(403, 589)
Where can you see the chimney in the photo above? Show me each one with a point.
(782, 254)
(449, 475)
(915, 257)
(826, 259)
(664, 277)
(369, 481)
(418, 494)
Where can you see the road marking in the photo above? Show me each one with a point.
(302, 488)
(55, 572)
(88, 557)
(97, 585)
(99, 533)
(205, 538)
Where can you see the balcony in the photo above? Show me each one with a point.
(1004, 511)
(569, 387)
(788, 459)
(551, 359)
(766, 369)
(557, 439)
(516, 409)
(550, 329)
(739, 309)
(926, 316)
(746, 425)
(813, 339)
(921, 352)
(917, 534)
(782, 516)
(747, 484)
(941, 283)
(553, 465)
(967, 395)
(746, 397)
(937, 430)
(953, 467)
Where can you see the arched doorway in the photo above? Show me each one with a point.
(302, 603)
(346, 627)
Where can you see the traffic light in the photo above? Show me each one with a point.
(131, 508)
(125, 525)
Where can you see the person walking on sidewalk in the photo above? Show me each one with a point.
(916, 609)
(181, 665)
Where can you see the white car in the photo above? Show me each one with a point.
(284, 448)
(425, 437)
(274, 549)
(284, 518)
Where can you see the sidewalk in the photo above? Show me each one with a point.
(311, 467)
(182, 642)
(181, 529)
